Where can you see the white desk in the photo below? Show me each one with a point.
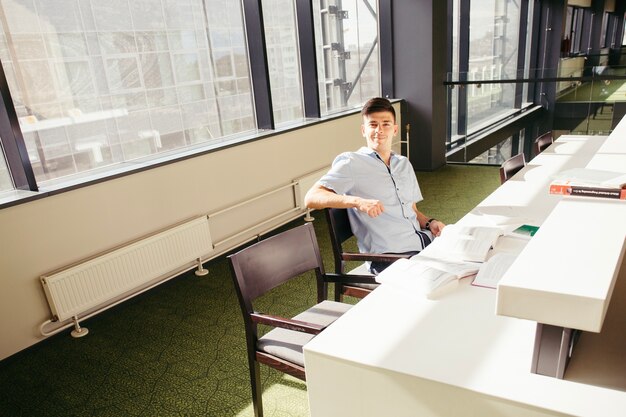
(396, 354)
(570, 283)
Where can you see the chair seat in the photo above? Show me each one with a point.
(287, 344)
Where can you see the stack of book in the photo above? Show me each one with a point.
(590, 183)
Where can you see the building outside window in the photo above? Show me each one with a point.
(494, 39)
(492, 31)
(283, 60)
(347, 52)
(100, 83)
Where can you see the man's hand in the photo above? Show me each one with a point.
(319, 197)
(373, 208)
(436, 227)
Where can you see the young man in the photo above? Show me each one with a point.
(380, 188)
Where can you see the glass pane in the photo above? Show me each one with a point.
(346, 35)
(529, 40)
(501, 152)
(453, 94)
(494, 39)
(6, 183)
(98, 83)
(283, 59)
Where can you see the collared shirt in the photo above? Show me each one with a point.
(364, 174)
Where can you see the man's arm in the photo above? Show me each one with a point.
(435, 226)
(319, 197)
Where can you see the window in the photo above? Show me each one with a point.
(98, 83)
(283, 60)
(494, 40)
(573, 30)
(502, 151)
(604, 30)
(100, 87)
(6, 183)
(624, 29)
(453, 95)
(526, 99)
(347, 53)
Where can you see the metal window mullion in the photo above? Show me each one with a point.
(13, 143)
(308, 61)
(385, 47)
(341, 62)
(535, 41)
(464, 45)
(521, 52)
(257, 52)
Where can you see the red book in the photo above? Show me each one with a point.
(587, 191)
(590, 183)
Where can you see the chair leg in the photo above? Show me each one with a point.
(255, 384)
(338, 292)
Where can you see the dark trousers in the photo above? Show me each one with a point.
(378, 267)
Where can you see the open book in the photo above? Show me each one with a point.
(468, 243)
(426, 276)
(493, 270)
(590, 183)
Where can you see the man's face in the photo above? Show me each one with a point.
(379, 129)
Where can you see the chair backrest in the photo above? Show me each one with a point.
(275, 260)
(340, 231)
(511, 166)
(542, 142)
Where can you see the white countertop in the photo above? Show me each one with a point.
(457, 339)
(566, 274)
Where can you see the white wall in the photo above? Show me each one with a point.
(49, 233)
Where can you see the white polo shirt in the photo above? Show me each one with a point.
(364, 174)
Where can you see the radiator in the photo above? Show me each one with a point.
(94, 282)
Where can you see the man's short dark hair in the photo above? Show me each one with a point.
(377, 105)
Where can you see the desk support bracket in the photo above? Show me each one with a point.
(553, 349)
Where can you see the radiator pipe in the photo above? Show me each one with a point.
(55, 331)
(78, 331)
(200, 272)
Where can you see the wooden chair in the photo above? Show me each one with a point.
(511, 166)
(264, 266)
(340, 232)
(542, 142)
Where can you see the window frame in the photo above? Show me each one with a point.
(20, 166)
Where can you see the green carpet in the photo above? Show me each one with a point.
(179, 349)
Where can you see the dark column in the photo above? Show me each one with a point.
(255, 33)
(551, 25)
(308, 63)
(594, 47)
(419, 65)
(385, 22)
